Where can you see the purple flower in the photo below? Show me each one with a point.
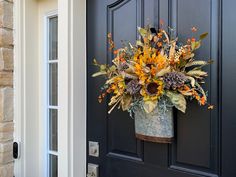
(174, 80)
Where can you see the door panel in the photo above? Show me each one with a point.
(196, 131)
(196, 149)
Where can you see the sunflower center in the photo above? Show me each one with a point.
(149, 65)
(152, 88)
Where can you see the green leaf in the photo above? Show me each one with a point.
(178, 100)
(149, 106)
(112, 68)
(142, 31)
(103, 67)
(202, 36)
(195, 45)
(139, 43)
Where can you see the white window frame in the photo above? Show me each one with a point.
(47, 60)
(72, 88)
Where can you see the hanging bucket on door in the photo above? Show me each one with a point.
(156, 126)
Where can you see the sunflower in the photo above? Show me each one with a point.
(117, 85)
(141, 73)
(152, 90)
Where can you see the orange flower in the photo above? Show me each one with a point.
(153, 70)
(116, 52)
(159, 35)
(159, 44)
(122, 60)
(186, 88)
(194, 29)
(202, 101)
(161, 22)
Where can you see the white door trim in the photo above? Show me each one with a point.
(72, 98)
(72, 87)
(19, 61)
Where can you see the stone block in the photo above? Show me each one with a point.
(6, 14)
(6, 79)
(7, 170)
(6, 38)
(6, 59)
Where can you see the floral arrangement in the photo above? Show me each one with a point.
(156, 70)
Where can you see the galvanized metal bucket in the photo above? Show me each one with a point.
(156, 126)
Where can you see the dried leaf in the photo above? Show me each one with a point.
(197, 62)
(150, 37)
(197, 73)
(202, 36)
(149, 106)
(192, 81)
(172, 51)
(128, 75)
(201, 90)
(126, 102)
(115, 100)
(163, 71)
(178, 100)
(99, 73)
(95, 62)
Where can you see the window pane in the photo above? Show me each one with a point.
(53, 84)
(53, 137)
(53, 33)
(53, 172)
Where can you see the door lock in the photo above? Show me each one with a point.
(92, 170)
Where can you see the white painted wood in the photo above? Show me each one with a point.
(72, 89)
(26, 92)
(18, 85)
(72, 97)
(78, 89)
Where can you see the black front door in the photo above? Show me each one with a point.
(205, 141)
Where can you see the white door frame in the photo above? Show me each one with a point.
(72, 87)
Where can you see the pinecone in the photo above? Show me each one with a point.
(133, 87)
(174, 80)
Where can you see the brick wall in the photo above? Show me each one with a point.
(6, 88)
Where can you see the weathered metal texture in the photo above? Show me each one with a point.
(156, 126)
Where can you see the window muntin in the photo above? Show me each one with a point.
(52, 97)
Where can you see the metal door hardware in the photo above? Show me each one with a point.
(93, 148)
(92, 170)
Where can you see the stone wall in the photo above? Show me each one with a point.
(6, 88)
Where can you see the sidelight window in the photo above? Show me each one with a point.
(52, 96)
